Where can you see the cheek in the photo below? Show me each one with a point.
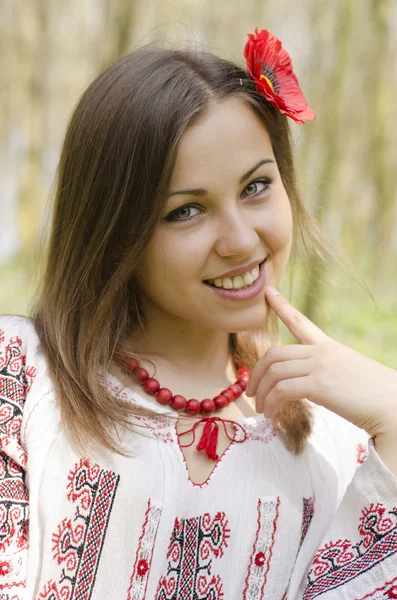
(168, 260)
(277, 230)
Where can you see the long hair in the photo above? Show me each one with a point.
(113, 178)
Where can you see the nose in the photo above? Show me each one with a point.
(236, 235)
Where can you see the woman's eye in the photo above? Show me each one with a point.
(257, 187)
(184, 213)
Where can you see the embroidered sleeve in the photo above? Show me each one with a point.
(15, 381)
(358, 556)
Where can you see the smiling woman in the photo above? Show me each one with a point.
(176, 213)
(229, 232)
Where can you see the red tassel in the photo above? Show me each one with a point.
(209, 439)
(205, 436)
(213, 442)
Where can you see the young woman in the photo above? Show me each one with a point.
(135, 461)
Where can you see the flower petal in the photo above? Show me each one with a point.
(270, 67)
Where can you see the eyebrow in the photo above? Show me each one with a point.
(203, 192)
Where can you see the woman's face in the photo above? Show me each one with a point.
(227, 210)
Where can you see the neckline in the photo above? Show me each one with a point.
(136, 398)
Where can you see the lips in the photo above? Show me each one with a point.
(241, 278)
(241, 292)
(239, 270)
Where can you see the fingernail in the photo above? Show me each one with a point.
(273, 290)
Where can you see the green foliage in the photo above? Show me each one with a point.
(347, 314)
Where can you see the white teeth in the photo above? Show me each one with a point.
(255, 272)
(237, 282)
(227, 283)
(248, 279)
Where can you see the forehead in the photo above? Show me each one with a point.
(229, 136)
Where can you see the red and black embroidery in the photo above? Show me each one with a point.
(15, 381)
(78, 542)
(307, 515)
(193, 544)
(262, 549)
(340, 562)
(144, 553)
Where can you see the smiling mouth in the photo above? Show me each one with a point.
(238, 282)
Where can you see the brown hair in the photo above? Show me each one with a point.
(113, 178)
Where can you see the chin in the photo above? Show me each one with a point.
(255, 318)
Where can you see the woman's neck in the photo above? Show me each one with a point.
(206, 352)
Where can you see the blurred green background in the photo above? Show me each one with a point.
(345, 55)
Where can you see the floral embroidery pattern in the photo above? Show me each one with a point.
(77, 543)
(261, 555)
(341, 561)
(192, 545)
(143, 558)
(261, 431)
(16, 380)
(159, 428)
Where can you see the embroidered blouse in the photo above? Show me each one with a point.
(265, 524)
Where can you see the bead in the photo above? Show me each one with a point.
(131, 364)
(151, 386)
(193, 406)
(242, 374)
(178, 402)
(141, 375)
(220, 401)
(164, 396)
(236, 389)
(243, 384)
(228, 394)
(207, 406)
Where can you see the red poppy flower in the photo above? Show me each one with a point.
(270, 67)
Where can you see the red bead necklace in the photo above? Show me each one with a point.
(165, 396)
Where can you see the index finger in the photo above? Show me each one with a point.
(304, 330)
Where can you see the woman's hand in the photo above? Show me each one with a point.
(325, 372)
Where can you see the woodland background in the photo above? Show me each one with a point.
(345, 55)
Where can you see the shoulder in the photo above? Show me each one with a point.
(18, 337)
(17, 326)
(22, 365)
(330, 430)
(338, 444)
